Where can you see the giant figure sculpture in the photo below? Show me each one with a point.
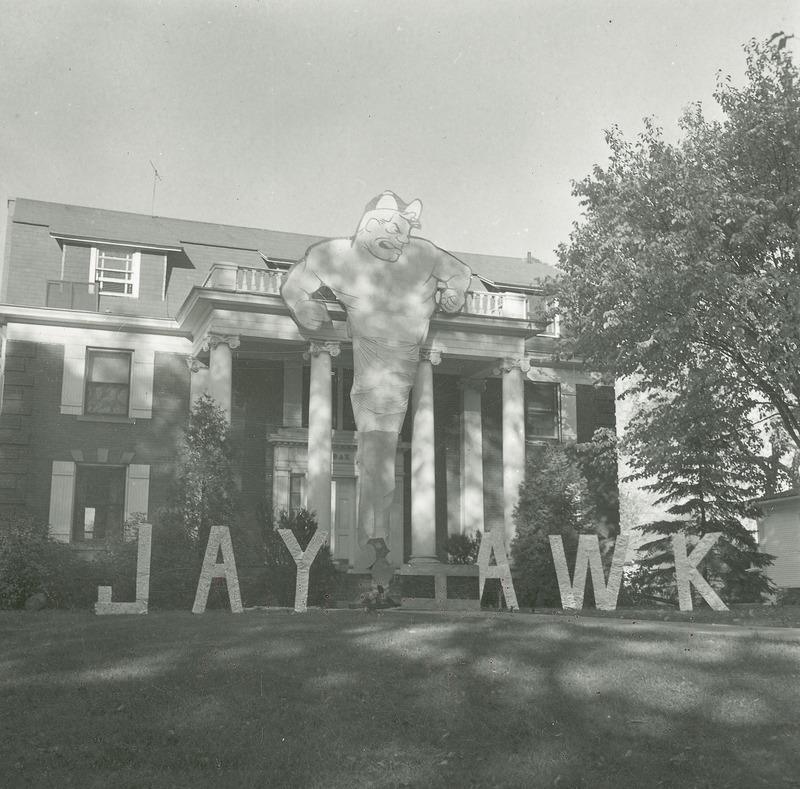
(390, 284)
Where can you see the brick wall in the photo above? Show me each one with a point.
(15, 425)
(34, 257)
(34, 433)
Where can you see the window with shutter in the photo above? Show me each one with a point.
(542, 421)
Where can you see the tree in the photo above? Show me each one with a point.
(688, 255)
(703, 459)
(207, 493)
(569, 489)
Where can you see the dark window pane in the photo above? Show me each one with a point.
(99, 503)
(109, 399)
(541, 407)
(349, 420)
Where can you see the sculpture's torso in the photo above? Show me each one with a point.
(392, 300)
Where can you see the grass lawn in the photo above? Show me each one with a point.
(347, 699)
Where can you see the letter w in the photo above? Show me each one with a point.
(588, 557)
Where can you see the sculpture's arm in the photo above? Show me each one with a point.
(454, 278)
(298, 285)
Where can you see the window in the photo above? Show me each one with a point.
(108, 382)
(542, 411)
(99, 503)
(596, 408)
(295, 492)
(86, 500)
(116, 270)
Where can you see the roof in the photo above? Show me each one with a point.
(773, 497)
(98, 224)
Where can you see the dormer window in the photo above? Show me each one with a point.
(116, 270)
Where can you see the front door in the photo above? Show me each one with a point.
(344, 520)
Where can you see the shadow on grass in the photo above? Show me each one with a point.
(348, 699)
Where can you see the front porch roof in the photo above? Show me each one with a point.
(246, 302)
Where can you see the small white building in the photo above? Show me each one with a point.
(779, 535)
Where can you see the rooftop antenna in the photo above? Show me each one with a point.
(156, 179)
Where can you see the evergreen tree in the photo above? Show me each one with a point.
(697, 448)
(207, 493)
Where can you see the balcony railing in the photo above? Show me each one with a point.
(72, 295)
(242, 279)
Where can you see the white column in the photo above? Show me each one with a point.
(198, 380)
(423, 462)
(320, 444)
(220, 369)
(471, 456)
(513, 437)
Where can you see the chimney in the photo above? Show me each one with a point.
(530, 258)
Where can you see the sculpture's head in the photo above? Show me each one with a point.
(385, 227)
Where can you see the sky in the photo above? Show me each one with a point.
(292, 114)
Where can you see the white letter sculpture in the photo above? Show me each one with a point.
(686, 571)
(390, 283)
(219, 537)
(303, 560)
(104, 604)
(493, 541)
(588, 557)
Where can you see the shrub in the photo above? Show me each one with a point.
(30, 562)
(462, 548)
(71, 579)
(23, 543)
(175, 563)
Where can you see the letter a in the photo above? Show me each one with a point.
(219, 537)
(588, 556)
(104, 604)
(493, 541)
(303, 560)
(686, 571)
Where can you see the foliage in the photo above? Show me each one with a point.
(175, 563)
(556, 497)
(206, 491)
(462, 548)
(689, 254)
(281, 567)
(697, 450)
(22, 546)
(597, 462)
(32, 563)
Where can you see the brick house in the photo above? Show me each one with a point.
(112, 323)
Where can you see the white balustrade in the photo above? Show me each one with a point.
(257, 280)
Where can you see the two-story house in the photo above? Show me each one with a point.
(112, 323)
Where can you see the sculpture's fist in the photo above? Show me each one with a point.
(311, 315)
(451, 300)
